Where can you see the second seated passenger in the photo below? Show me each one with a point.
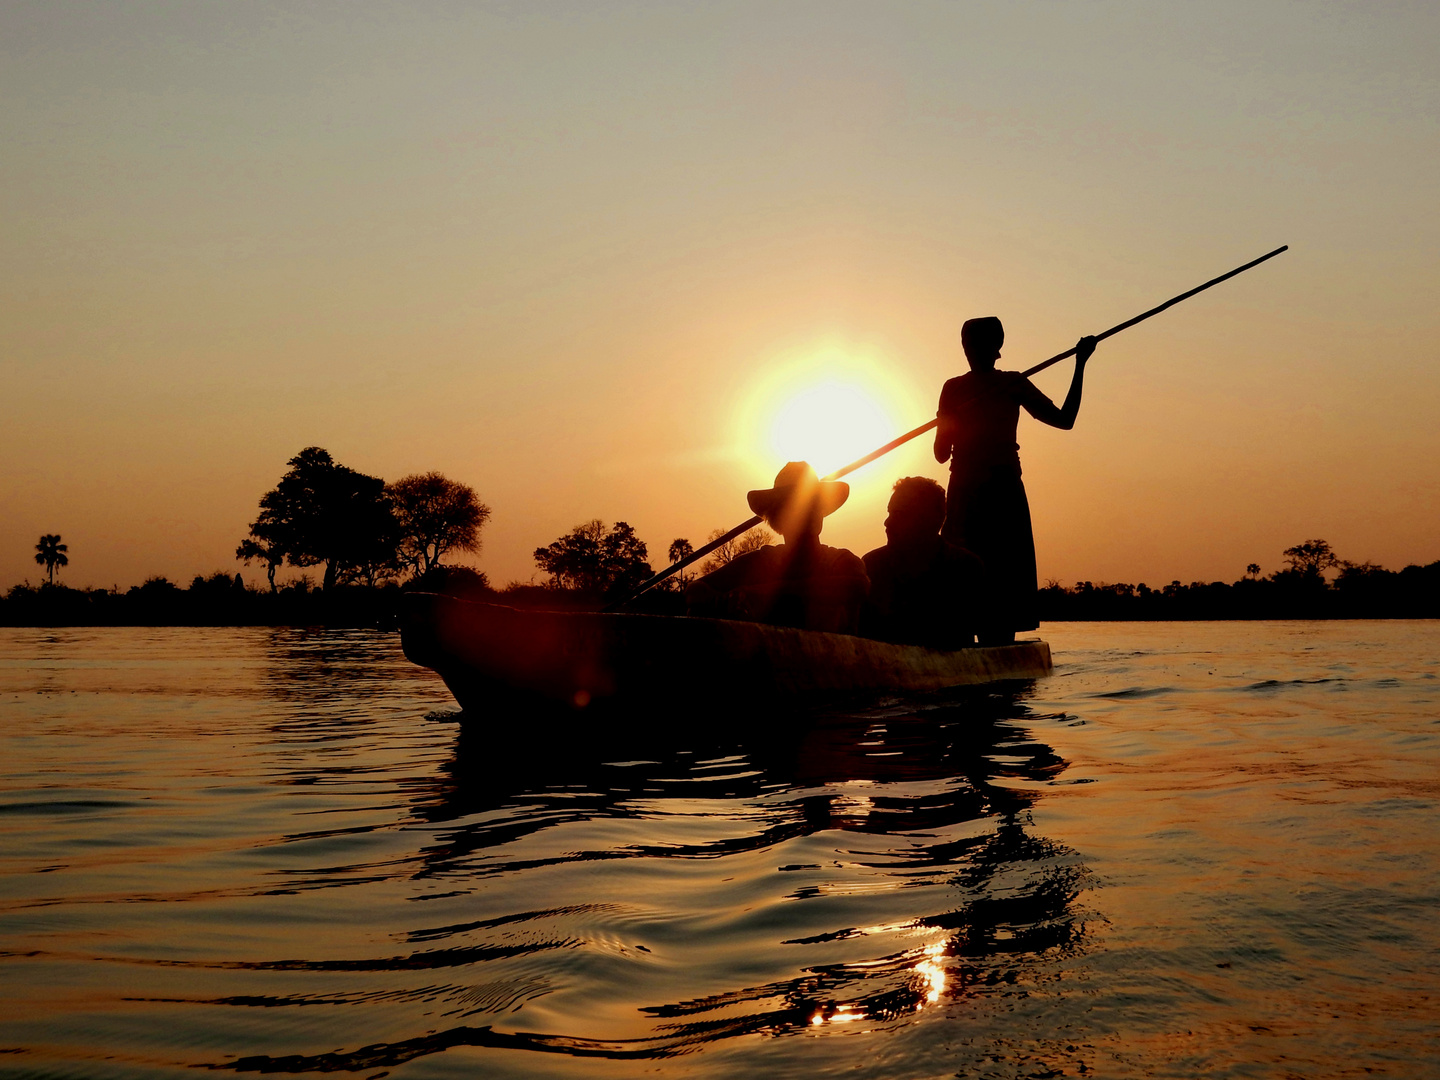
(923, 589)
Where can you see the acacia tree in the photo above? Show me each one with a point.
(435, 515)
(324, 513)
(50, 553)
(591, 559)
(1311, 559)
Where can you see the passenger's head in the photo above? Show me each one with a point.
(917, 511)
(796, 505)
(982, 339)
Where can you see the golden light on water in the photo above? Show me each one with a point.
(932, 979)
(933, 974)
(843, 1014)
(828, 408)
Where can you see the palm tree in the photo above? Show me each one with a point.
(680, 548)
(50, 552)
(1253, 569)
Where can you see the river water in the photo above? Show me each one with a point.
(1203, 849)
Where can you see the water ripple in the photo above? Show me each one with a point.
(1199, 850)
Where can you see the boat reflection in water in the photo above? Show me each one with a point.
(264, 850)
(642, 900)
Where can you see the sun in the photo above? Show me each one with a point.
(828, 407)
(829, 425)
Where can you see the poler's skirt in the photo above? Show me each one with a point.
(986, 511)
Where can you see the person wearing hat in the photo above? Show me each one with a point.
(801, 582)
(986, 509)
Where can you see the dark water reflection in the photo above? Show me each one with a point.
(1198, 850)
(921, 877)
(921, 882)
(278, 851)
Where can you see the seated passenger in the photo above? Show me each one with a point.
(801, 582)
(923, 590)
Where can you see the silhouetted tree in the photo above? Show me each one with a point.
(321, 512)
(1311, 559)
(158, 585)
(593, 560)
(50, 553)
(435, 515)
(680, 548)
(221, 583)
(753, 540)
(1253, 569)
(251, 550)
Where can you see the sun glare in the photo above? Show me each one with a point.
(829, 425)
(828, 409)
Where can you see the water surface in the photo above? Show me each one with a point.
(1199, 849)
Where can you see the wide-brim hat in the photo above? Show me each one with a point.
(797, 481)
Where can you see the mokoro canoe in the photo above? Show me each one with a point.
(495, 656)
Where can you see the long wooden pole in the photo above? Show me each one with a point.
(746, 526)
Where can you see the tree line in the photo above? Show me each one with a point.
(368, 538)
(1301, 589)
(371, 538)
(217, 599)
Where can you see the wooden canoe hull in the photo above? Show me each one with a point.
(489, 654)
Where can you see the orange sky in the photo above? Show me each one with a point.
(562, 251)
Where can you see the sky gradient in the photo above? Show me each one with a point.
(577, 255)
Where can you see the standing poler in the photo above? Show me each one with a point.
(986, 509)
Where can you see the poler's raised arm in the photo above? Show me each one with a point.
(1043, 409)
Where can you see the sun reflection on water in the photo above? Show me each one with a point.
(841, 1014)
(930, 988)
(930, 970)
